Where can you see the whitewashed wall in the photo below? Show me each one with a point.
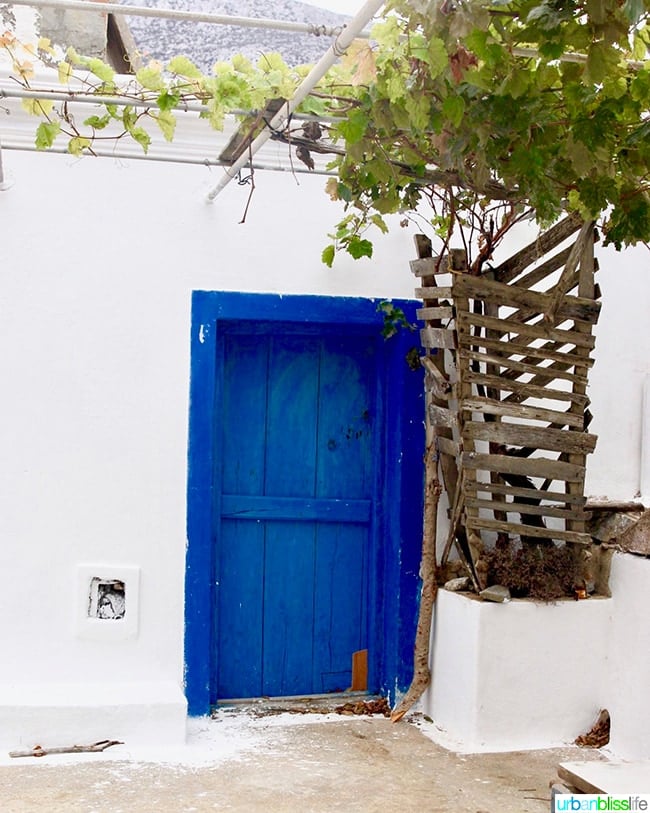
(99, 258)
(617, 381)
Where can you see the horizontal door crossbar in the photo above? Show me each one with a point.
(305, 509)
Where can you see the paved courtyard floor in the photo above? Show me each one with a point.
(312, 763)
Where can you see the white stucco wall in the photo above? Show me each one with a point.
(99, 259)
(617, 380)
(626, 662)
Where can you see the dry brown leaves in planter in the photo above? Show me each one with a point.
(543, 572)
(599, 733)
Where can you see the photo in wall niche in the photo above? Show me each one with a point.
(107, 599)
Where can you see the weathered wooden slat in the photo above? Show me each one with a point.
(447, 446)
(429, 266)
(523, 390)
(586, 287)
(457, 259)
(438, 337)
(527, 466)
(557, 295)
(433, 292)
(526, 314)
(520, 411)
(479, 523)
(422, 245)
(478, 486)
(534, 318)
(439, 416)
(511, 434)
(435, 381)
(442, 312)
(524, 508)
(536, 331)
(438, 388)
(570, 307)
(513, 266)
(519, 368)
(545, 374)
(542, 379)
(512, 348)
(543, 270)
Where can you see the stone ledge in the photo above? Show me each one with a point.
(72, 714)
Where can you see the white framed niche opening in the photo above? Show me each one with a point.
(108, 602)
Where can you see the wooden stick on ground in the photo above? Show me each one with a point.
(39, 751)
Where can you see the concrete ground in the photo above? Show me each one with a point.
(310, 763)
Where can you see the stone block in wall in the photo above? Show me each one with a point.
(636, 538)
(85, 31)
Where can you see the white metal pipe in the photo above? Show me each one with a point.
(189, 16)
(165, 159)
(336, 50)
(13, 92)
(568, 56)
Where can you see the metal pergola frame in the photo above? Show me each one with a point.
(342, 37)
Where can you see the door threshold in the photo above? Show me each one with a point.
(300, 703)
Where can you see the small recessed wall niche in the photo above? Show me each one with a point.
(108, 599)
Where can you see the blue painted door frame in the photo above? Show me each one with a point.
(397, 514)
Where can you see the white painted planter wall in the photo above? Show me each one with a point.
(99, 259)
(527, 675)
(516, 676)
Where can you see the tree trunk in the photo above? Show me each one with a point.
(421, 671)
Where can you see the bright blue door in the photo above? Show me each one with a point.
(296, 482)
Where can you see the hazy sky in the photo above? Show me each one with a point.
(342, 6)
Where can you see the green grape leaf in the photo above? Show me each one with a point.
(183, 66)
(358, 247)
(77, 145)
(328, 255)
(46, 133)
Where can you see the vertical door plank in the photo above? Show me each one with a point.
(239, 609)
(339, 603)
(290, 471)
(292, 416)
(240, 561)
(244, 415)
(345, 418)
(288, 608)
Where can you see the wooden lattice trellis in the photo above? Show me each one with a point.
(507, 366)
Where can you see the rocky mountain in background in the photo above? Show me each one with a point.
(206, 44)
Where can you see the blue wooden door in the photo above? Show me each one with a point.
(296, 476)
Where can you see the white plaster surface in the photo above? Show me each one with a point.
(230, 735)
(527, 675)
(626, 662)
(616, 382)
(53, 713)
(615, 778)
(521, 675)
(99, 259)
